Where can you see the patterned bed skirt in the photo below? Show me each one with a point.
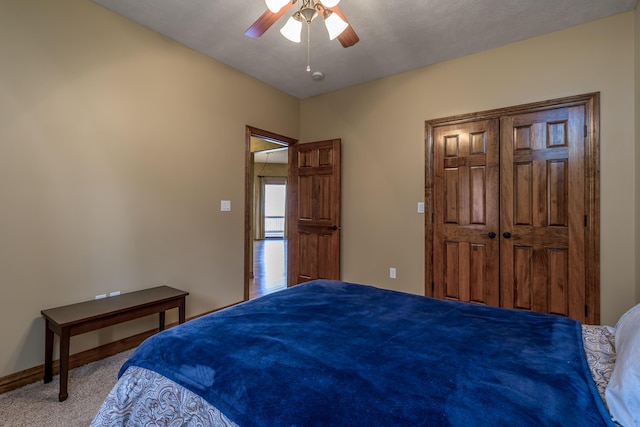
(142, 397)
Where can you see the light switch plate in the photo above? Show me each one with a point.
(225, 205)
(420, 207)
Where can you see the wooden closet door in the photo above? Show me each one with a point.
(542, 215)
(466, 201)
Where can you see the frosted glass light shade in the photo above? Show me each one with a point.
(335, 25)
(292, 29)
(275, 5)
(330, 3)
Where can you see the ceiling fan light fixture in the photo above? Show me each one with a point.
(275, 5)
(334, 23)
(330, 3)
(293, 28)
(308, 13)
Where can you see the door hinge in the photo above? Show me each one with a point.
(586, 131)
(586, 310)
(585, 220)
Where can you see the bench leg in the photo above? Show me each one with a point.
(161, 324)
(65, 340)
(48, 353)
(181, 311)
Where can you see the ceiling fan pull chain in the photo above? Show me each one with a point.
(308, 47)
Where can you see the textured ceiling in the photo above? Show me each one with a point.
(395, 35)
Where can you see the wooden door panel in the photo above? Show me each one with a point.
(451, 145)
(325, 198)
(465, 195)
(466, 212)
(522, 266)
(451, 196)
(558, 302)
(523, 193)
(558, 193)
(465, 272)
(307, 255)
(542, 188)
(540, 280)
(325, 248)
(325, 156)
(451, 277)
(305, 199)
(306, 159)
(477, 196)
(478, 263)
(314, 249)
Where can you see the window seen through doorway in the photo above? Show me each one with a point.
(275, 196)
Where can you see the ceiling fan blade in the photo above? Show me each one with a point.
(266, 20)
(348, 37)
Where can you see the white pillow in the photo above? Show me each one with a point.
(623, 391)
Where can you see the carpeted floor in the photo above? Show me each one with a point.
(36, 405)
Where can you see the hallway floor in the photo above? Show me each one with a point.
(269, 267)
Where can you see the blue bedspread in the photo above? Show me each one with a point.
(337, 354)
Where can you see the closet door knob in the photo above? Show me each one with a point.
(491, 235)
(506, 235)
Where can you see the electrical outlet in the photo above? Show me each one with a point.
(114, 294)
(392, 273)
(101, 296)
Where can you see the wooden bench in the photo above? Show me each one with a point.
(89, 316)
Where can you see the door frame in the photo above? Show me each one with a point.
(251, 131)
(591, 103)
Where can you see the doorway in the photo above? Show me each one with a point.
(266, 205)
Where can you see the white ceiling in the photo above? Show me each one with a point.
(395, 35)
(272, 156)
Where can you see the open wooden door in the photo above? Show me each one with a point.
(314, 225)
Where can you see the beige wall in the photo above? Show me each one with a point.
(636, 52)
(116, 147)
(382, 129)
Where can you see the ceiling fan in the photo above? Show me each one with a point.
(334, 20)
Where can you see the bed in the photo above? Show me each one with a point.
(335, 353)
